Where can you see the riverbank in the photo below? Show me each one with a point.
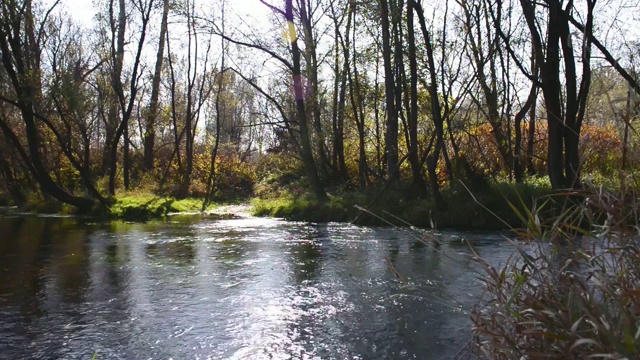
(468, 208)
(130, 207)
(489, 208)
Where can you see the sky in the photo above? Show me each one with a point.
(83, 11)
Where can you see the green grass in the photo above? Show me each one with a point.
(396, 205)
(303, 209)
(142, 207)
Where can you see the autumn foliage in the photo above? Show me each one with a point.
(600, 150)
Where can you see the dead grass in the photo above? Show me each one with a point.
(572, 289)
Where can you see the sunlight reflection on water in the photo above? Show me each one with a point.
(245, 288)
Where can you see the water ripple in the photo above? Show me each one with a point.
(245, 288)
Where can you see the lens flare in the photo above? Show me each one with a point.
(300, 87)
(291, 31)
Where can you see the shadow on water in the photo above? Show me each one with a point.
(43, 271)
(239, 289)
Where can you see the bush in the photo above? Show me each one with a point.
(279, 175)
(235, 178)
(573, 292)
(397, 205)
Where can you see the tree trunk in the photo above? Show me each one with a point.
(337, 106)
(126, 159)
(152, 113)
(338, 121)
(117, 56)
(313, 102)
(357, 103)
(436, 113)
(211, 181)
(391, 134)
(565, 109)
(414, 156)
(21, 60)
(298, 88)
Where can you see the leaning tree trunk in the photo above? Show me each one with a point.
(21, 62)
(436, 113)
(298, 88)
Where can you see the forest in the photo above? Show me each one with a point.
(428, 104)
(447, 115)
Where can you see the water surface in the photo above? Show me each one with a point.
(247, 288)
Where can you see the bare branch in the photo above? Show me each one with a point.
(273, 8)
(216, 31)
(607, 55)
(44, 21)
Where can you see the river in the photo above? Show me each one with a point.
(246, 288)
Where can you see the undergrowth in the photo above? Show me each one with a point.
(399, 202)
(572, 288)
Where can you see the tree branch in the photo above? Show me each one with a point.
(273, 8)
(607, 55)
(217, 32)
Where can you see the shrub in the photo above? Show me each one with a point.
(573, 292)
(278, 175)
(235, 178)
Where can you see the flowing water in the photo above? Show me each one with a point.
(247, 288)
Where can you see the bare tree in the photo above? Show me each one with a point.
(126, 100)
(152, 112)
(391, 135)
(565, 105)
(21, 47)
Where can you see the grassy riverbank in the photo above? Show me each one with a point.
(146, 206)
(486, 209)
(469, 207)
(126, 206)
